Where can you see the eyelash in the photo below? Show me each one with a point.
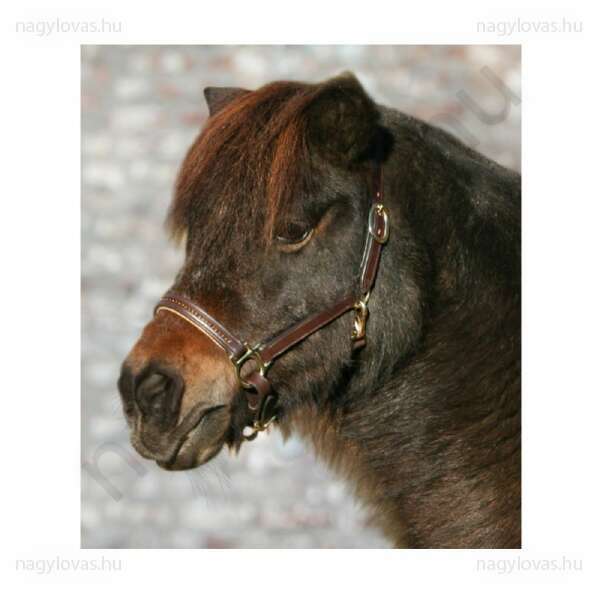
(291, 244)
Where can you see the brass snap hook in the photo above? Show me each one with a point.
(256, 428)
(263, 421)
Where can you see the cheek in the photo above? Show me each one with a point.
(172, 343)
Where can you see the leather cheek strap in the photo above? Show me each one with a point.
(276, 346)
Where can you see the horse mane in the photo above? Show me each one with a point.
(255, 155)
(260, 141)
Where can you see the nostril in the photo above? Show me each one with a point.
(158, 395)
(151, 391)
(153, 383)
(126, 389)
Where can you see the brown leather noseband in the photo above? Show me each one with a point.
(261, 398)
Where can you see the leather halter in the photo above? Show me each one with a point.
(261, 398)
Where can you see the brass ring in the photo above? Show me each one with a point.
(251, 353)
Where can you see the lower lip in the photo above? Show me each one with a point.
(186, 455)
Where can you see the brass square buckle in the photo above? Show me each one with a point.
(361, 314)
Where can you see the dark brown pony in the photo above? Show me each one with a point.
(272, 201)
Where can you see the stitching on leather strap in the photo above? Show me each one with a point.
(204, 322)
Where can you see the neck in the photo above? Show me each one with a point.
(435, 444)
(437, 449)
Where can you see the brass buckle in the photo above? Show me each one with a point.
(379, 210)
(361, 314)
(250, 354)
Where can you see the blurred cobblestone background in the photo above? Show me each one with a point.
(141, 109)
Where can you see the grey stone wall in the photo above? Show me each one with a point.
(141, 108)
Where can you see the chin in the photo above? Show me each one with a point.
(190, 458)
(199, 437)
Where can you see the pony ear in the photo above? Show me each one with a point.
(343, 120)
(218, 98)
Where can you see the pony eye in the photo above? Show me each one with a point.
(295, 235)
